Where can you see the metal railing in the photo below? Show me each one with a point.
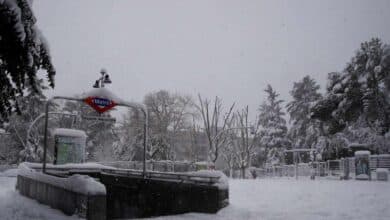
(178, 177)
(328, 168)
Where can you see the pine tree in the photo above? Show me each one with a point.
(23, 51)
(273, 129)
(360, 92)
(304, 131)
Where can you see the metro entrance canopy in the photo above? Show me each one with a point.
(102, 100)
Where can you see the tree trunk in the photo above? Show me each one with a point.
(243, 172)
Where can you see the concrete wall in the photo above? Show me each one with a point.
(133, 197)
(128, 197)
(85, 206)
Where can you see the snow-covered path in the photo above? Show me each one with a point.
(252, 199)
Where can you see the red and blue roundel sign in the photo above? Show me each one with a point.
(100, 104)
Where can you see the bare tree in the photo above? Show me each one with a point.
(195, 134)
(245, 142)
(129, 136)
(168, 114)
(229, 154)
(215, 124)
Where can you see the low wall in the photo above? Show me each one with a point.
(135, 197)
(124, 193)
(92, 207)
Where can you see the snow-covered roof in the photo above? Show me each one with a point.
(362, 152)
(102, 93)
(69, 132)
(204, 163)
(352, 145)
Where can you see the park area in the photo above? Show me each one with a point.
(267, 198)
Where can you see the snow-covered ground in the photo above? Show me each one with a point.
(278, 198)
(16, 207)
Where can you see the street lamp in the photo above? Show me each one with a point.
(104, 79)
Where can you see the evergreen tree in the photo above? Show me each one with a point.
(23, 51)
(273, 129)
(304, 131)
(360, 93)
(31, 106)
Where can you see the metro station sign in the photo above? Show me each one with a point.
(100, 104)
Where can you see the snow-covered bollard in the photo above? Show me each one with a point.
(362, 165)
(382, 174)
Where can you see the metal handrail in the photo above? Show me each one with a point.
(137, 173)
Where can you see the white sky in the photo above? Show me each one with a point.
(227, 48)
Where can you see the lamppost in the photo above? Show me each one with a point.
(105, 78)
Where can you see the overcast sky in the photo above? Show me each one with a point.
(232, 49)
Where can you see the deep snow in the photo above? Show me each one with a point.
(16, 207)
(278, 198)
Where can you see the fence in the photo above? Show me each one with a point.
(329, 168)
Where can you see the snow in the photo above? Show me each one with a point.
(76, 183)
(69, 166)
(362, 152)
(9, 173)
(223, 181)
(83, 184)
(362, 177)
(102, 93)
(382, 170)
(69, 132)
(14, 206)
(378, 69)
(304, 199)
(12, 5)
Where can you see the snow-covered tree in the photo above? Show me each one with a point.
(360, 92)
(23, 51)
(304, 130)
(273, 129)
(31, 106)
(129, 136)
(243, 142)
